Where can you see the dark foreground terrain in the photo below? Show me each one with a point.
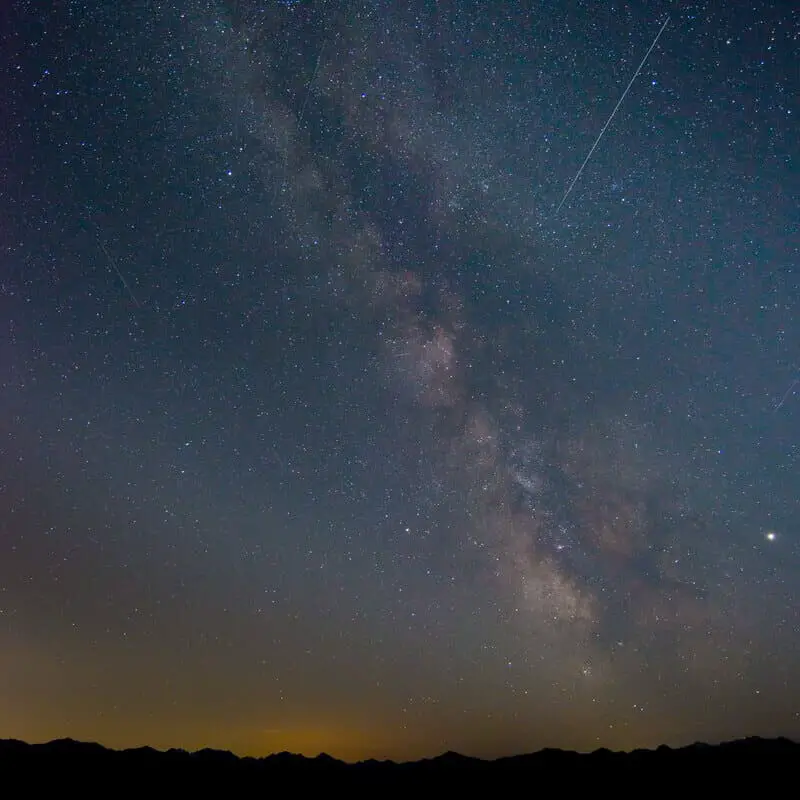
(746, 765)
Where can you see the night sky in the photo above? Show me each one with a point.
(322, 429)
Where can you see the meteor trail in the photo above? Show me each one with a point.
(786, 394)
(608, 121)
(112, 262)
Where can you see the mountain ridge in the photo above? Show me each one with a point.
(67, 759)
(777, 743)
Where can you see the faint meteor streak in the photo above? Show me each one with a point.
(608, 121)
(790, 390)
(112, 262)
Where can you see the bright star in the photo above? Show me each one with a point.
(770, 536)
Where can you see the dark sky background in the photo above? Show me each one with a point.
(320, 429)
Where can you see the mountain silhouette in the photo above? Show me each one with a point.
(66, 763)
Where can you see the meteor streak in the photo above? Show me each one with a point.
(608, 121)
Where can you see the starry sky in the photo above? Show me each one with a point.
(323, 427)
